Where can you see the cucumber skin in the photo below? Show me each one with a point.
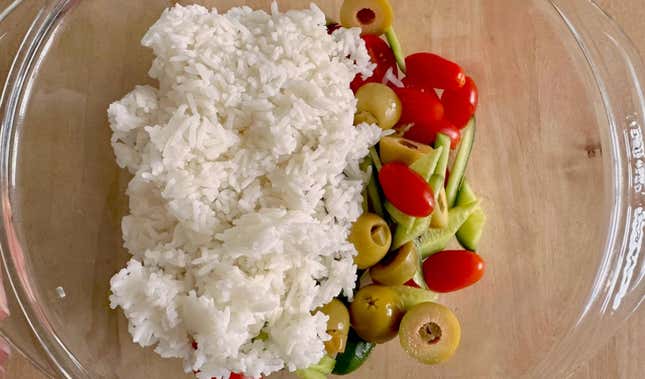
(436, 240)
(471, 231)
(461, 162)
(356, 353)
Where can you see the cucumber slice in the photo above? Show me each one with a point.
(395, 45)
(411, 296)
(356, 353)
(403, 235)
(461, 161)
(466, 194)
(435, 240)
(444, 142)
(373, 193)
(319, 370)
(418, 276)
(426, 165)
(403, 220)
(471, 231)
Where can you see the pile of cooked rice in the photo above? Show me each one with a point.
(246, 180)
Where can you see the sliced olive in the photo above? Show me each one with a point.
(377, 104)
(337, 326)
(397, 268)
(440, 213)
(399, 149)
(376, 313)
(372, 16)
(372, 238)
(430, 333)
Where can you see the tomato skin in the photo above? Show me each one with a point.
(427, 132)
(460, 105)
(450, 271)
(432, 71)
(411, 283)
(419, 106)
(382, 55)
(406, 190)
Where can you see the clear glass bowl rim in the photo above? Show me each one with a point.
(618, 289)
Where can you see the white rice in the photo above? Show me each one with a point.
(246, 182)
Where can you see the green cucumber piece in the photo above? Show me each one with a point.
(373, 194)
(376, 160)
(461, 162)
(419, 279)
(403, 220)
(435, 240)
(325, 366)
(395, 45)
(411, 296)
(471, 231)
(466, 194)
(426, 165)
(403, 236)
(444, 142)
(319, 370)
(356, 353)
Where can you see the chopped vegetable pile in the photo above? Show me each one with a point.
(416, 203)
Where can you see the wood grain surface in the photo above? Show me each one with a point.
(622, 356)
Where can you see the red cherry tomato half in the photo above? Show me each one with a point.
(432, 71)
(406, 190)
(449, 271)
(427, 132)
(381, 54)
(460, 104)
(419, 106)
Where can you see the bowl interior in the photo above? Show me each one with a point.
(538, 165)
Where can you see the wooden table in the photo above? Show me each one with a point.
(622, 356)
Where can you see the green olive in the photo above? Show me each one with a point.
(397, 268)
(399, 149)
(440, 213)
(372, 238)
(430, 333)
(377, 104)
(373, 16)
(376, 313)
(337, 326)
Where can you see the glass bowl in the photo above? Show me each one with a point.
(559, 161)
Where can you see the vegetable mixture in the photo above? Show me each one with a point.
(416, 203)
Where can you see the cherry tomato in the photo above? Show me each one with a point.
(460, 104)
(419, 106)
(412, 283)
(449, 271)
(432, 71)
(426, 133)
(382, 55)
(406, 190)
